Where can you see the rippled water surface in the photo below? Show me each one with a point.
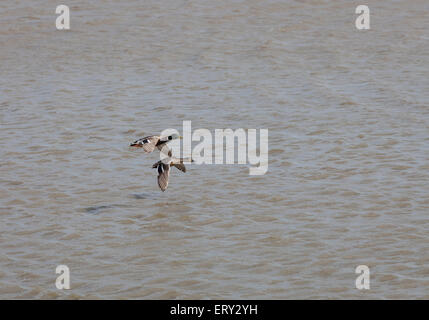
(348, 179)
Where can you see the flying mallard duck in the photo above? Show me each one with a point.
(164, 169)
(150, 142)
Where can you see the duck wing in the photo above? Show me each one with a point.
(147, 143)
(179, 166)
(163, 174)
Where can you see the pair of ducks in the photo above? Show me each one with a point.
(149, 144)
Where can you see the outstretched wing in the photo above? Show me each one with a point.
(179, 166)
(163, 174)
(147, 143)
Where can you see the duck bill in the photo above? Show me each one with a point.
(136, 145)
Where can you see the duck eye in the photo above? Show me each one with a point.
(170, 137)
